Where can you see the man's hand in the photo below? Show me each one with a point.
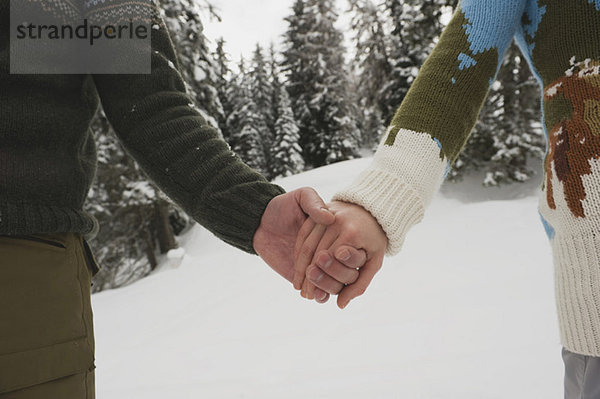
(276, 236)
(335, 252)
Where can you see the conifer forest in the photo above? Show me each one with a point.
(318, 96)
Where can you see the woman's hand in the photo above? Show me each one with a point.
(328, 258)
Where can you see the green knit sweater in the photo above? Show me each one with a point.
(48, 155)
(560, 39)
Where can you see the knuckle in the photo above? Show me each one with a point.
(352, 278)
(308, 191)
(352, 231)
(361, 255)
(356, 261)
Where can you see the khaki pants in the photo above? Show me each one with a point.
(46, 329)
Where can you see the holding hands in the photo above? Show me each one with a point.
(324, 250)
(339, 258)
(280, 224)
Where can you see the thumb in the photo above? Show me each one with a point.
(312, 205)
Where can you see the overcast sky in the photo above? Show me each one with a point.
(246, 22)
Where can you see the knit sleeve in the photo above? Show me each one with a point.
(157, 124)
(436, 117)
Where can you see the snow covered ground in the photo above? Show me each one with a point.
(465, 311)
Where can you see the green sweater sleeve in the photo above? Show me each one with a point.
(155, 120)
(451, 87)
(436, 117)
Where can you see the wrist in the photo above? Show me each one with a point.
(259, 235)
(396, 207)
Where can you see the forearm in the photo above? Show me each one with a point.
(159, 127)
(435, 119)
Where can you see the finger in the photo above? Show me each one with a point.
(334, 269)
(306, 254)
(303, 233)
(327, 240)
(304, 288)
(312, 204)
(350, 256)
(317, 294)
(323, 281)
(367, 272)
(308, 291)
(321, 296)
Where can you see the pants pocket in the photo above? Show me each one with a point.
(94, 266)
(45, 311)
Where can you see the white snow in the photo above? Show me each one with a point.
(172, 259)
(199, 74)
(176, 253)
(465, 311)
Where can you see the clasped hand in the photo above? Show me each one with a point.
(324, 250)
(341, 258)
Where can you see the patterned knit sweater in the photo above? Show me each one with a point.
(48, 155)
(561, 41)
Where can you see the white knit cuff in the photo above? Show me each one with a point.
(399, 184)
(395, 205)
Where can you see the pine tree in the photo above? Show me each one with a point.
(373, 128)
(261, 92)
(198, 67)
(234, 98)
(286, 158)
(261, 87)
(372, 65)
(276, 81)
(402, 68)
(222, 84)
(421, 26)
(128, 207)
(415, 27)
(296, 67)
(318, 83)
(245, 123)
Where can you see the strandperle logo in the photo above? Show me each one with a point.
(81, 36)
(86, 31)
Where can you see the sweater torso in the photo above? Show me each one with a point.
(561, 41)
(48, 155)
(47, 152)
